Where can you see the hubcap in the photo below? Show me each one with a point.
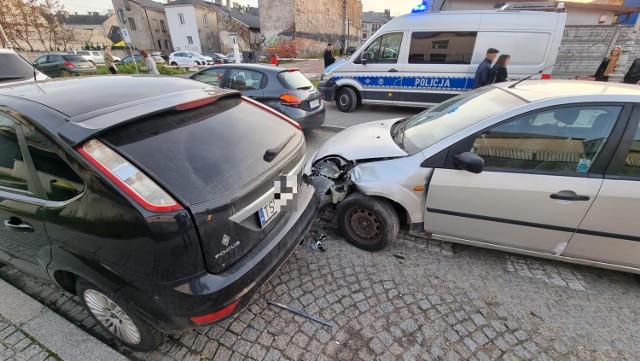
(344, 100)
(365, 224)
(112, 317)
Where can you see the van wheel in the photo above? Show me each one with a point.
(115, 316)
(174, 63)
(367, 222)
(346, 101)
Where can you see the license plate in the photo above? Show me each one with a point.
(267, 213)
(314, 103)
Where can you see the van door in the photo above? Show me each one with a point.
(379, 69)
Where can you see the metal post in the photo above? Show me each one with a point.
(6, 40)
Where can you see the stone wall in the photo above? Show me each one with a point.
(583, 48)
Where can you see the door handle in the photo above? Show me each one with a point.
(15, 224)
(569, 196)
(393, 70)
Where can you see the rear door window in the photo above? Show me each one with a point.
(210, 76)
(244, 79)
(13, 169)
(294, 80)
(441, 47)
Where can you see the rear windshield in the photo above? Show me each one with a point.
(204, 153)
(73, 58)
(294, 80)
(83, 53)
(14, 68)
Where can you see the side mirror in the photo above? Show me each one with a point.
(35, 65)
(470, 162)
(363, 60)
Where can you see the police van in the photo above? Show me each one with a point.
(424, 58)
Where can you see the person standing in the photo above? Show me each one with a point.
(328, 56)
(149, 63)
(483, 73)
(608, 64)
(500, 69)
(109, 59)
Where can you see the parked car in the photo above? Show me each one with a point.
(543, 168)
(94, 56)
(138, 59)
(202, 58)
(55, 65)
(351, 50)
(188, 58)
(16, 70)
(156, 224)
(218, 58)
(285, 90)
(160, 54)
(231, 57)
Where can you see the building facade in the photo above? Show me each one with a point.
(372, 21)
(147, 24)
(303, 27)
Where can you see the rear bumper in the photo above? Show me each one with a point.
(169, 306)
(78, 71)
(307, 119)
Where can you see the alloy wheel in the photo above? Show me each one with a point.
(112, 317)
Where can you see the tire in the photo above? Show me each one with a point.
(369, 223)
(174, 63)
(64, 73)
(346, 100)
(129, 329)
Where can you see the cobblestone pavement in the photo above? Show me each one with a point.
(442, 301)
(17, 345)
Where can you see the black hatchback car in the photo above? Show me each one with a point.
(285, 90)
(163, 203)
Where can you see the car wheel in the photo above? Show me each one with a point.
(114, 315)
(65, 73)
(367, 222)
(346, 101)
(174, 63)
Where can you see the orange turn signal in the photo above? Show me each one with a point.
(418, 188)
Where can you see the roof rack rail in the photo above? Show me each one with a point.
(531, 5)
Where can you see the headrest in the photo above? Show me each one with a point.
(567, 115)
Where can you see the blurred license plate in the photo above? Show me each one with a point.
(267, 213)
(314, 103)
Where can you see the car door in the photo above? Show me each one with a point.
(249, 82)
(55, 64)
(41, 65)
(542, 172)
(379, 68)
(610, 232)
(22, 233)
(212, 76)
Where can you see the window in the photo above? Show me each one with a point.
(157, 27)
(204, 20)
(159, 44)
(132, 24)
(41, 60)
(181, 18)
(189, 40)
(211, 77)
(631, 166)
(162, 26)
(558, 140)
(127, 5)
(13, 169)
(58, 180)
(245, 79)
(375, 27)
(384, 49)
(166, 44)
(441, 47)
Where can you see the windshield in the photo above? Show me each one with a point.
(451, 116)
(14, 68)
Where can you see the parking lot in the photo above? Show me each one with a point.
(419, 299)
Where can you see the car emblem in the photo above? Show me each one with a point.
(225, 240)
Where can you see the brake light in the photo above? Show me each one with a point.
(546, 76)
(196, 103)
(69, 64)
(272, 111)
(201, 320)
(128, 177)
(290, 100)
(292, 70)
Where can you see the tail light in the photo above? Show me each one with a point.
(128, 177)
(69, 64)
(270, 110)
(546, 76)
(290, 100)
(201, 320)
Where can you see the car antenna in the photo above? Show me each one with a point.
(550, 66)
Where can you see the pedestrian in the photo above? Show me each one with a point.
(633, 74)
(608, 64)
(328, 55)
(500, 69)
(149, 63)
(484, 74)
(109, 59)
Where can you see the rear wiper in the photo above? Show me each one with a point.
(10, 77)
(305, 87)
(272, 153)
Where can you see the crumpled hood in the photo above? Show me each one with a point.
(363, 141)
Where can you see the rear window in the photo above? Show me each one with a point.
(73, 58)
(14, 68)
(83, 53)
(294, 80)
(204, 153)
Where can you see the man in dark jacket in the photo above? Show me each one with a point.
(484, 74)
(328, 55)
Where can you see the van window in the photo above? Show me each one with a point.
(384, 50)
(441, 47)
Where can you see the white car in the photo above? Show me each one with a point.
(540, 167)
(203, 58)
(94, 56)
(187, 58)
(16, 70)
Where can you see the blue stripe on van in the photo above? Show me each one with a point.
(412, 82)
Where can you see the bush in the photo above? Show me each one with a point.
(130, 68)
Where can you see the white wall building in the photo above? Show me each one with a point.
(184, 29)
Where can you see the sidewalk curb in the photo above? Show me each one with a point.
(51, 330)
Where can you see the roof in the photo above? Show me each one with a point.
(249, 18)
(618, 9)
(149, 4)
(260, 67)
(86, 19)
(535, 90)
(372, 16)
